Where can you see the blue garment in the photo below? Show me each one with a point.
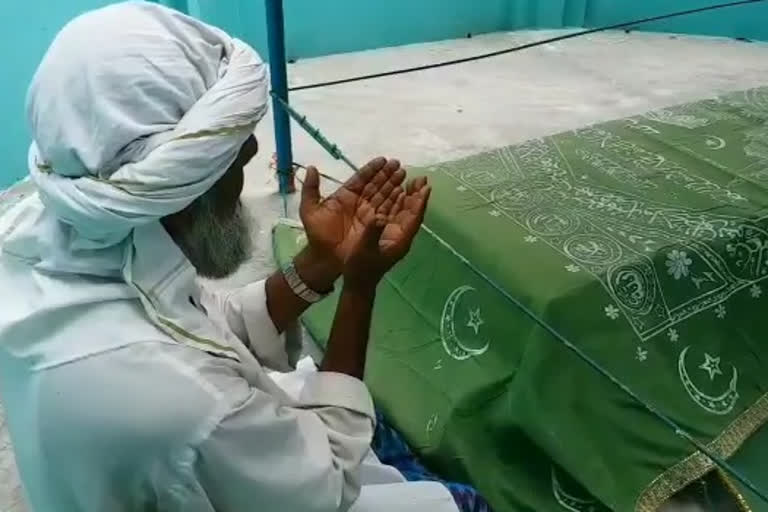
(392, 450)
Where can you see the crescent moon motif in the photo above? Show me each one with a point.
(451, 342)
(722, 404)
(570, 502)
(714, 143)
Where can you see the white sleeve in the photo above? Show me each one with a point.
(265, 456)
(245, 311)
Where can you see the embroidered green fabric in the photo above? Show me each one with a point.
(645, 242)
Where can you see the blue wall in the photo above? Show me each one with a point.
(748, 21)
(26, 29)
(319, 27)
(313, 27)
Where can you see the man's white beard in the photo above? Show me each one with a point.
(215, 245)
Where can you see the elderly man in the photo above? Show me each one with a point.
(127, 387)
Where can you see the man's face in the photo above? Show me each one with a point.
(213, 232)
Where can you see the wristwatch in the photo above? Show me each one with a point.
(299, 287)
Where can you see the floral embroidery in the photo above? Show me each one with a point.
(678, 263)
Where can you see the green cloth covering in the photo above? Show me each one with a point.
(645, 242)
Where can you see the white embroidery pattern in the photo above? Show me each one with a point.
(673, 335)
(711, 365)
(720, 311)
(613, 229)
(432, 423)
(612, 312)
(475, 320)
(678, 263)
(714, 404)
(714, 143)
(570, 502)
(453, 345)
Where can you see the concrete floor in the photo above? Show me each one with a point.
(448, 113)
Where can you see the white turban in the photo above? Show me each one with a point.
(135, 111)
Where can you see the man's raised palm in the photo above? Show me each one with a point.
(340, 224)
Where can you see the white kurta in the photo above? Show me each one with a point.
(108, 413)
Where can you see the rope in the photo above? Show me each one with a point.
(519, 48)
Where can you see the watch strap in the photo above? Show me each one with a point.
(299, 287)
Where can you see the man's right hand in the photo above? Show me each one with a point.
(337, 227)
(387, 234)
(334, 224)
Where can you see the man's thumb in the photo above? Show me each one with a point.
(310, 191)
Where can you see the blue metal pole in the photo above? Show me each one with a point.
(279, 75)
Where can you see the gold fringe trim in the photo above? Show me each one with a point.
(697, 464)
(733, 491)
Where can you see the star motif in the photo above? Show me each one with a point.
(572, 268)
(755, 291)
(611, 311)
(642, 354)
(531, 239)
(494, 213)
(475, 320)
(461, 188)
(720, 311)
(673, 335)
(711, 365)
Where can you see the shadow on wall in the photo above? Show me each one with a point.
(321, 27)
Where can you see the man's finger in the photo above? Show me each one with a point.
(381, 178)
(416, 184)
(310, 191)
(418, 210)
(423, 200)
(397, 207)
(386, 207)
(386, 189)
(361, 178)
